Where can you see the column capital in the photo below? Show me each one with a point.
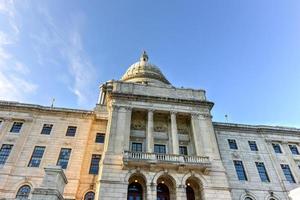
(173, 112)
(151, 110)
(195, 115)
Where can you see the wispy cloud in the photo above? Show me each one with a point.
(67, 43)
(13, 83)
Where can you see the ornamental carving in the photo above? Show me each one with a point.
(138, 121)
(183, 125)
(160, 127)
(138, 125)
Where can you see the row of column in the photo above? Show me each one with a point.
(150, 138)
(198, 141)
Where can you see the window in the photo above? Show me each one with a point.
(262, 172)
(137, 147)
(89, 196)
(276, 148)
(232, 144)
(47, 129)
(94, 168)
(71, 131)
(160, 148)
(294, 149)
(36, 157)
(4, 153)
(287, 173)
(100, 138)
(252, 145)
(248, 198)
(240, 171)
(23, 192)
(183, 150)
(63, 158)
(16, 127)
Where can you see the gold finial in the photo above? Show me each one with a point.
(144, 57)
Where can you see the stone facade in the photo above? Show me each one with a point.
(158, 138)
(278, 187)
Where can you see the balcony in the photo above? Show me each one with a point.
(165, 160)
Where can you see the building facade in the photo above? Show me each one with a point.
(145, 139)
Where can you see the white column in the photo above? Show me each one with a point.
(174, 134)
(149, 138)
(196, 134)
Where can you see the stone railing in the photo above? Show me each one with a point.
(146, 158)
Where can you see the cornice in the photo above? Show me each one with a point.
(136, 97)
(16, 106)
(256, 128)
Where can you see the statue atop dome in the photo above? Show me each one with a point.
(144, 57)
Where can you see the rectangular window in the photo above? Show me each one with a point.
(294, 149)
(160, 148)
(252, 145)
(276, 148)
(262, 172)
(16, 127)
(71, 131)
(47, 129)
(232, 144)
(64, 157)
(138, 147)
(240, 171)
(4, 153)
(288, 173)
(36, 157)
(100, 138)
(94, 168)
(183, 150)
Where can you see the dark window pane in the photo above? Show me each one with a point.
(183, 150)
(160, 148)
(138, 147)
(94, 168)
(16, 127)
(287, 173)
(71, 131)
(64, 157)
(23, 192)
(89, 196)
(276, 148)
(253, 145)
(240, 171)
(36, 157)
(262, 172)
(4, 153)
(294, 149)
(100, 138)
(47, 129)
(232, 144)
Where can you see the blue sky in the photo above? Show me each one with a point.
(245, 54)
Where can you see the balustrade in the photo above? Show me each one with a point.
(169, 158)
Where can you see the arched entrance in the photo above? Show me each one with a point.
(135, 191)
(136, 187)
(190, 194)
(162, 192)
(193, 188)
(166, 187)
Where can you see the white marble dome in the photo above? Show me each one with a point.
(145, 73)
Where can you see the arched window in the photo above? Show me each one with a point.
(135, 191)
(249, 198)
(23, 192)
(89, 196)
